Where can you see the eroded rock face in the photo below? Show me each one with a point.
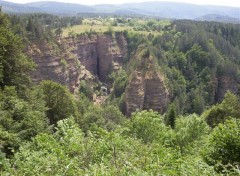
(105, 52)
(100, 54)
(62, 62)
(146, 92)
(52, 65)
(135, 92)
(84, 57)
(156, 94)
(85, 49)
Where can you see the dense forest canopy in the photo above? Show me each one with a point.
(46, 130)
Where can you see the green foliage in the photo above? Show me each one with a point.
(224, 145)
(198, 100)
(41, 26)
(59, 101)
(150, 23)
(100, 152)
(120, 81)
(171, 117)
(134, 40)
(177, 85)
(188, 130)
(231, 104)
(114, 23)
(198, 57)
(149, 126)
(14, 65)
(86, 90)
(83, 103)
(51, 154)
(20, 119)
(202, 55)
(64, 64)
(220, 112)
(108, 117)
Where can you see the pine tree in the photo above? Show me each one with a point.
(14, 65)
(171, 116)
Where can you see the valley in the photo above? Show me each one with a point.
(110, 93)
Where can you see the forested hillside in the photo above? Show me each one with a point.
(169, 96)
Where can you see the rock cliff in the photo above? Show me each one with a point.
(94, 57)
(146, 91)
(100, 54)
(72, 59)
(61, 67)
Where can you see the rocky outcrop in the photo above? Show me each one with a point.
(106, 53)
(135, 93)
(156, 94)
(99, 53)
(146, 92)
(85, 49)
(53, 65)
(89, 56)
(69, 60)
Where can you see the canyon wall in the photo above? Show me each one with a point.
(146, 91)
(100, 54)
(72, 59)
(93, 57)
(51, 64)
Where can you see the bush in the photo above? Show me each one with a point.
(86, 90)
(149, 126)
(119, 84)
(108, 117)
(220, 112)
(188, 130)
(224, 144)
(60, 102)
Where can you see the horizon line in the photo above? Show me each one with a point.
(165, 1)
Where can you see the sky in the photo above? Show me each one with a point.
(233, 3)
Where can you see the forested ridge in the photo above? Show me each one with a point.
(46, 130)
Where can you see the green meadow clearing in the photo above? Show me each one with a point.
(104, 26)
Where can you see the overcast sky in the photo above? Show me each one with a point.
(234, 3)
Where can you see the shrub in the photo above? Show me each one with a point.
(224, 144)
(188, 130)
(149, 126)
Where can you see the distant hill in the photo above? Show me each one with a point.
(17, 8)
(181, 10)
(47, 7)
(158, 9)
(60, 8)
(218, 18)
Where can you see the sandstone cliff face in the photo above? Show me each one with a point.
(87, 57)
(73, 59)
(86, 51)
(52, 65)
(100, 54)
(135, 93)
(146, 92)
